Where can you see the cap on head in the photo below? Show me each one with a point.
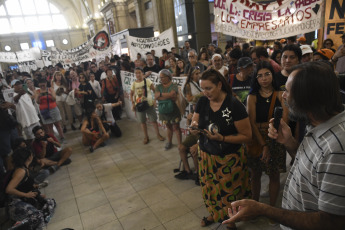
(326, 53)
(216, 55)
(15, 82)
(306, 49)
(243, 62)
(302, 39)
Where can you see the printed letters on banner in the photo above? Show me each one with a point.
(128, 78)
(95, 47)
(143, 45)
(262, 21)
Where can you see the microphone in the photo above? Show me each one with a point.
(278, 113)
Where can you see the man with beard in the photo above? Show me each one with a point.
(314, 191)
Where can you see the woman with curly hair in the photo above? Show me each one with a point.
(204, 58)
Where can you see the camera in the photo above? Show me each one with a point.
(43, 138)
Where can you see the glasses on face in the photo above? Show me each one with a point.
(191, 56)
(267, 74)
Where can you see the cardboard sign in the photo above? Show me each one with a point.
(335, 21)
(143, 45)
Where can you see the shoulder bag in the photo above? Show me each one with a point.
(255, 149)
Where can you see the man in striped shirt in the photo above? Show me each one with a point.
(314, 193)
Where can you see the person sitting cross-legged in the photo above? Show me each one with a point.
(94, 133)
(44, 147)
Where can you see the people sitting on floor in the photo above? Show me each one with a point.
(94, 133)
(45, 150)
(104, 111)
(25, 202)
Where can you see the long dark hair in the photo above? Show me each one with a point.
(20, 156)
(215, 77)
(255, 83)
(274, 55)
(315, 90)
(189, 77)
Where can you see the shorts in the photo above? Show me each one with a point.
(54, 116)
(28, 135)
(55, 156)
(77, 109)
(151, 114)
(190, 140)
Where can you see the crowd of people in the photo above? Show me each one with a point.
(231, 97)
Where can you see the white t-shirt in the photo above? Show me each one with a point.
(223, 69)
(108, 114)
(140, 85)
(63, 96)
(25, 111)
(103, 76)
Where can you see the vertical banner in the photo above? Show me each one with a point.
(267, 21)
(128, 78)
(143, 45)
(335, 21)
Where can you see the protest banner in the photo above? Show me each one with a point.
(335, 21)
(143, 45)
(8, 57)
(128, 78)
(267, 21)
(97, 46)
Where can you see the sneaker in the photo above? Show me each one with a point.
(91, 149)
(184, 175)
(43, 184)
(168, 146)
(72, 127)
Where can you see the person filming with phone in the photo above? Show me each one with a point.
(314, 191)
(225, 126)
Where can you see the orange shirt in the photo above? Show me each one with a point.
(111, 85)
(44, 101)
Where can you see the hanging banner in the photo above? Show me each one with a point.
(143, 45)
(97, 46)
(128, 78)
(45, 59)
(335, 21)
(267, 21)
(8, 57)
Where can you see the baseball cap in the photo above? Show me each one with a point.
(15, 81)
(342, 35)
(306, 49)
(243, 62)
(302, 39)
(282, 40)
(326, 53)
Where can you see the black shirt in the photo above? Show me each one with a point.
(230, 111)
(263, 107)
(280, 80)
(241, 88)
(155, 68)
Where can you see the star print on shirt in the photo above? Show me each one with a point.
(226, 112)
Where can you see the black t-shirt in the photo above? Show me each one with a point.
(231, 110)
(280, 80)
(263, 107)
(241, 88)
(155, 68)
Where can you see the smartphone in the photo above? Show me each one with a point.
(197, 129)
(278, 113)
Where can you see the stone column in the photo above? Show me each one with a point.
(138, 13)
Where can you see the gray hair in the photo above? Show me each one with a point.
(166, 73)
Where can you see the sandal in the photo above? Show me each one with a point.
(146, 140)
(161, 138)
(205, 222)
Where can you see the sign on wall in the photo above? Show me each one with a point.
(267, 21)
(143, 45)
(335, 21)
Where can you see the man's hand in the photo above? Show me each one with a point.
(51, 140)
(193, 131)
(7, 105)
(283, 135)
(243, 210)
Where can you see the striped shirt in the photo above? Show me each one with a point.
(316, 181)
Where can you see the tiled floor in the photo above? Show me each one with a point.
(128, 185)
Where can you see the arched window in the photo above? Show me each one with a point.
(30, 15)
